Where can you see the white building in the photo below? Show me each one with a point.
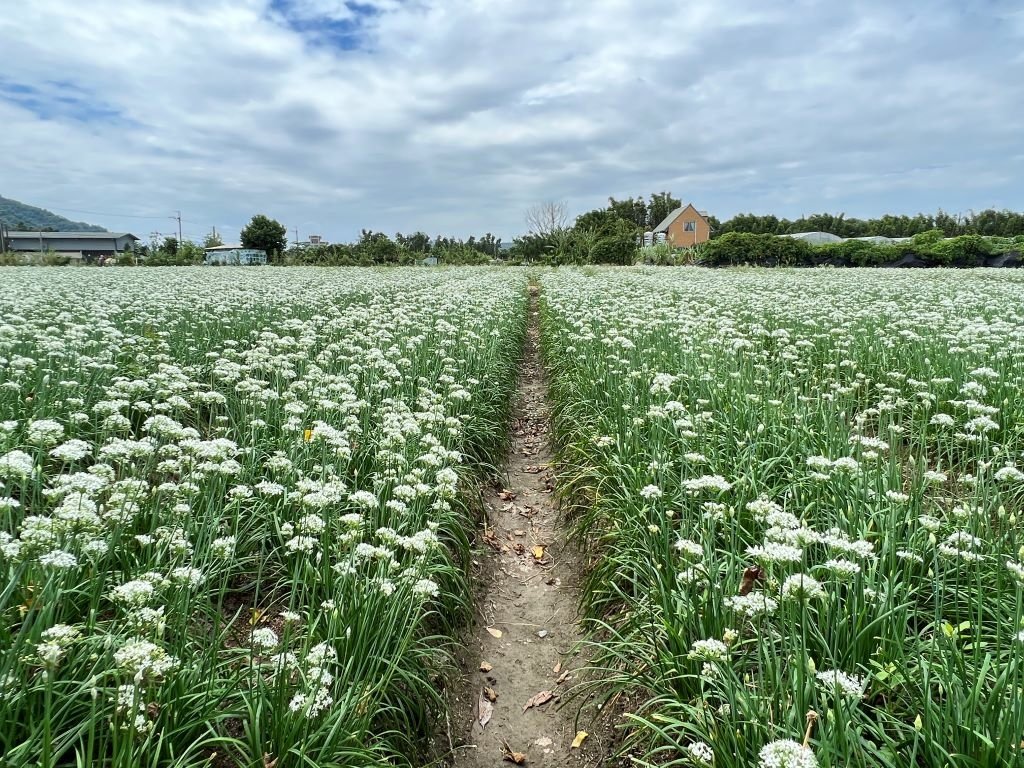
(234, 255)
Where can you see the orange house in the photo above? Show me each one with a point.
(685, 226)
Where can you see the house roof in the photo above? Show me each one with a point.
(675, 215)
(70, 235)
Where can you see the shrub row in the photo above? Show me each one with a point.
(925, 250)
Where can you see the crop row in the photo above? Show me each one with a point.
(234, 518)
(802, 494)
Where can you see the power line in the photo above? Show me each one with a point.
(98, 213)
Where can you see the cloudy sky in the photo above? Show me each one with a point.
(453, 116)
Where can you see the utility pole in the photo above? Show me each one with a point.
(177, 217)
(296, 237)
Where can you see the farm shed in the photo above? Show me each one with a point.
(77, 246)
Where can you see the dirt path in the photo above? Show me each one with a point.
(527, 627)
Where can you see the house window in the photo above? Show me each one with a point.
(690, 226)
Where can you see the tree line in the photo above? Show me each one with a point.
(370, 249)
(607, 235)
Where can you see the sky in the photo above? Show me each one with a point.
(455, 116)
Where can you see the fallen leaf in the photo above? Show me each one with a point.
(486, 710)
(268, 761)
(519, 532)
(562, 677)
(538, 552)
(538, 699)
(532, 470)
(485, 667)
(580, 737)
(558, 668)
(507, 753)
(507, 495)
(496, 633)
(490, 693)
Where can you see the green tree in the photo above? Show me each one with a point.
(265, 234)
(212, 240)
(632, 209)
(661, 205)
(418, 242)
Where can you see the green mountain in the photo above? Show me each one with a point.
(20, 217)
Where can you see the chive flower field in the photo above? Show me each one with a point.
(802, 494)
(233, 523)
(238, 509)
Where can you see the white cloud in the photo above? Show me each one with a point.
(454, 117)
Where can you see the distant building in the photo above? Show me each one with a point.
(234, 256)
(684, 227)
(79, 247)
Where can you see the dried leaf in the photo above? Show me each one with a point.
(538, 699)
(532, 470)
(538, 552)
(562, 677)
(490, 693)
(485, 667)
(507, 753)
(486, 709)
(495, 633)
(558, 668)
(492, 540)
(507, 495)
(580, 737)
(268, 761)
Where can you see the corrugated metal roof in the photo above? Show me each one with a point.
(71, 235)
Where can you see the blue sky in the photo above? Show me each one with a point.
(454, 116)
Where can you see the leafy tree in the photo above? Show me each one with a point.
(418, 242)
(170, 246)
(660, 206)
(212, 240)
(265, 234)
(632, 209)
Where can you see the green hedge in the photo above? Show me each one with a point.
(926, 249)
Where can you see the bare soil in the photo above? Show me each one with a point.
(524, 647)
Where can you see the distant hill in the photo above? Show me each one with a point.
(18, 216)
